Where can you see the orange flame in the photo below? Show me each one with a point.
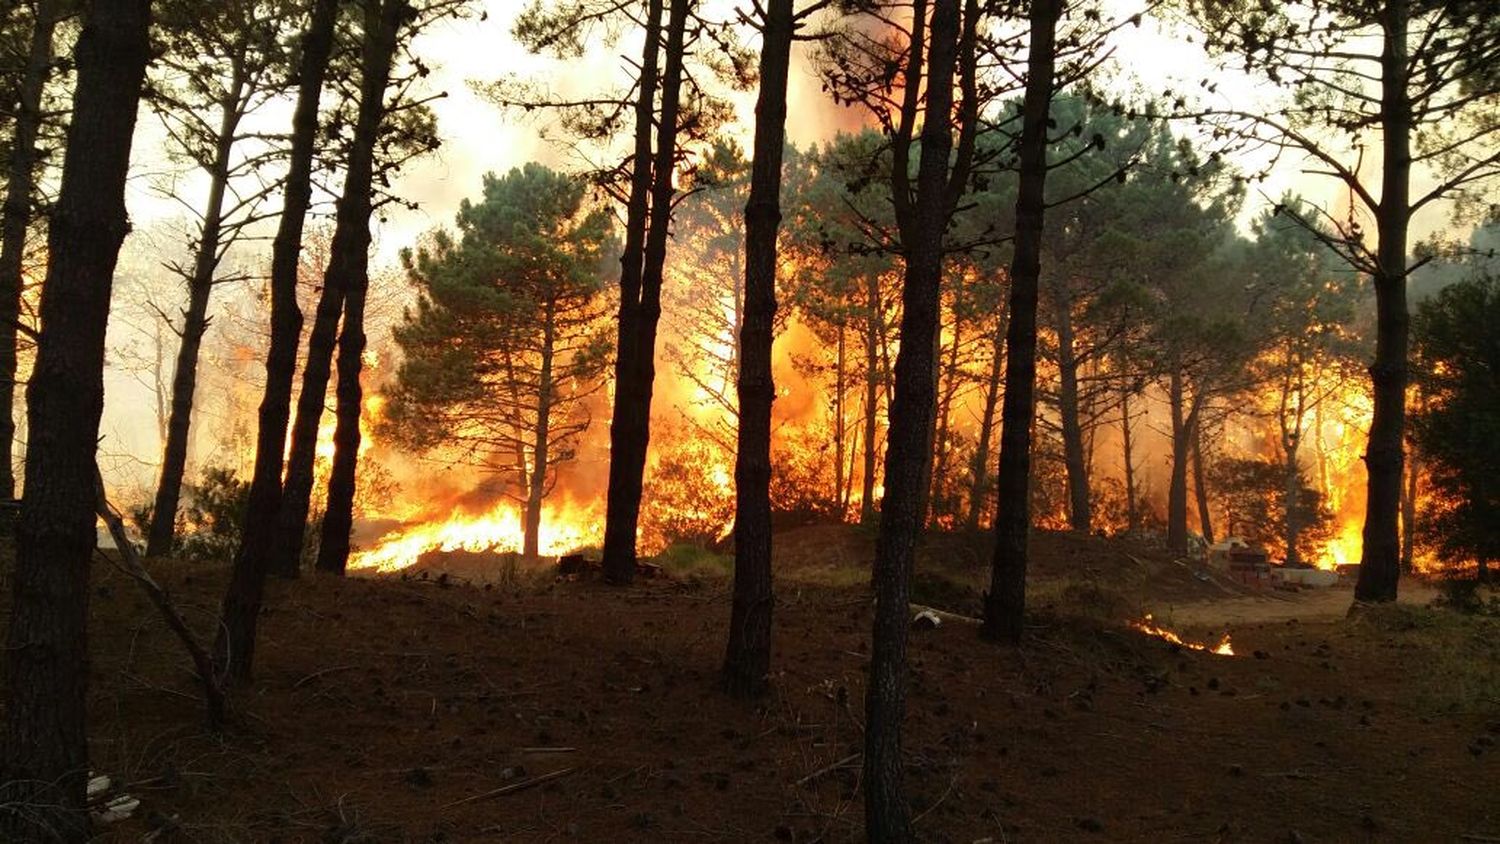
(564, 528)
(1148, 626)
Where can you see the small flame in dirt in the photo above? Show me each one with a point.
(1149, 626)
(563, 529)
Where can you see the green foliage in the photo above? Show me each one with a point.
(209, 522)
(507, 341)
(1256, 495)
(693, 561)
(1456, 336)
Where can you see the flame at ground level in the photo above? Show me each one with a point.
(1148, 626)
(564, 528)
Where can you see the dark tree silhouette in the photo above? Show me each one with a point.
(1005, 603)
(1421, 75)
(252, 559)
(45, 766)
(748, 658)
(16, 216)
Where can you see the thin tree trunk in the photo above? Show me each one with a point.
(922, 222)
(1080, 517)
(15, 220)
(1200, 487)
(1409, 516)
(253, 558)
(537, 485)
(840, 388)
(1380, 560)
(241, 608)
(629, 432)
(1177, 532)
(195, 321)
(937, 504)
(1005, 604)
(45, 761)
(1127, 446)
(747, 662)
(979, 470)
(383, 19)
(296, 493)
(872, 399)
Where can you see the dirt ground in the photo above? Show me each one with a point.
(537, 710)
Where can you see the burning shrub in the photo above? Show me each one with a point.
(804, 478)
(1110, 505)
(1049, 484)
(208, 525)
(689, 497)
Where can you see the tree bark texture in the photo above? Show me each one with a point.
(253, 557)
(15, 220)
(1005, 603)
(1200, 487)
(1380, 557)
(351, 259)
(45, 762)
(747, 661)
(1182, 421)
(1080, 517)
(163, 530)
(979, 483)
(872, 400)
(640, 311)
(922, 222)
(536, 486)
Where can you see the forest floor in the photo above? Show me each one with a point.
(428, 709)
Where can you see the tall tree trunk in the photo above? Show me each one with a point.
(630, 432)
(979, 470)
(15, 220)
(537, 486)
(241, 608)
(747, 663)
(1080, 517)
(1127, 446)
(286, 544)
(1409, 516)
(923, 223)
(383, 19)
(1005, 603)
(1177, 532)
(840, 389)
(45, 760)
(872, 399)
(1380, 558)
(1200, 487)
(252, 560)
(937, 504)
(195, 321)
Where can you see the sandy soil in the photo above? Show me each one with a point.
(1307, 605)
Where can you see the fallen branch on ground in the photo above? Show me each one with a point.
(203, 664)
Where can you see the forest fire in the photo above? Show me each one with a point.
(564, 528)
(1149, 626)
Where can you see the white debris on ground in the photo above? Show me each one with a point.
(109, 808)
(926, 619)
